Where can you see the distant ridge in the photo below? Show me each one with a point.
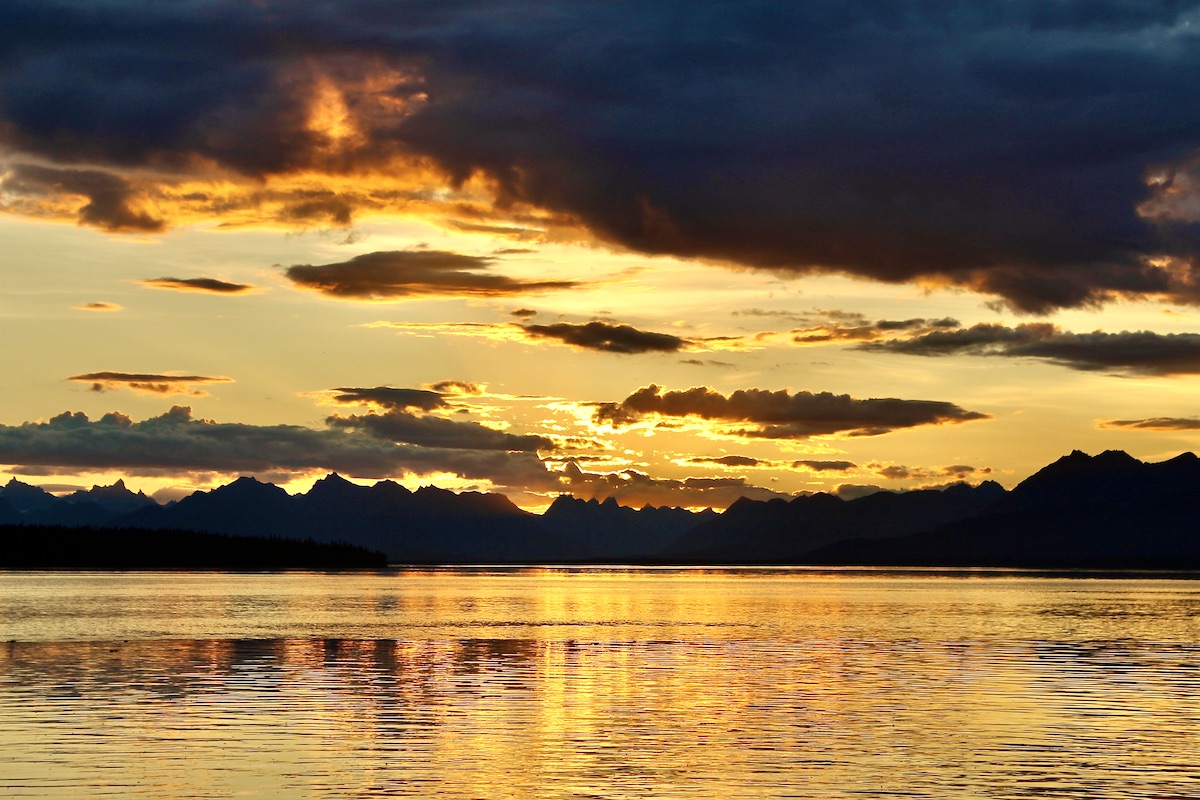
(1110, 510)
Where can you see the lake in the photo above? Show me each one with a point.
(598, 683)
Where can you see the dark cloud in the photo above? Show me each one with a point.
(608, 338)
(824, 466)
(1001, 145)
(399, 423)
(148, 382)
(452, 387)
(730, 461)
(843, 327)
(176, 443)
(710, 362)
(199, 285)
(430, 431)
(853, 491)
(100, 306)
(779, 415)
(1140, 352)
(899, 472)
(396, 399)
(110, 199)
(400, 274)
(523, 313)
(510, 231)
(1154, 424)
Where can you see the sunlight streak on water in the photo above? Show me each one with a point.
(598, 684)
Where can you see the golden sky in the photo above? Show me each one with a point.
(586, 248)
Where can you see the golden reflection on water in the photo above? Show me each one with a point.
(598, 684)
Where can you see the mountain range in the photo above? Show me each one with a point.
(1104, 511)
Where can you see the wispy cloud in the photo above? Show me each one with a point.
(1153, 424)
(900, 472)
(99, 306)
(406, 274)
(605, 337)
(732, 461)
(153, 383)
(199, 285)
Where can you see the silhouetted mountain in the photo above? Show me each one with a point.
(8, 514)
(64, 512)
(611, 531)
(25, 498)
(429, 525)
(1105, 511)
(245, 507)
(782, 531)
(1085, 511)
(1146, 533)
(1080, 478)
(115, 498)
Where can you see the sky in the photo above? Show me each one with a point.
(671, 253)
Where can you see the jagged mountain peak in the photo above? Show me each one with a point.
(25, 497)
(334, 486)
(389, 488)
(247, 486)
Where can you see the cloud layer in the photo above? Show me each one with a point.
(149, 382)
(1154, 424)
(607, 337)
(199, 285)
(175, 442)
(760, 413)
(402, 274)
(1140, 352)
(1042, 152)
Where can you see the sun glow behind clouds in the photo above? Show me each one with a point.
(603, 248)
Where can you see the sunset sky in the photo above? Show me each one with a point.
(673, 253)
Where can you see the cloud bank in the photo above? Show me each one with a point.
(177, 443)
(1138, 352)
(1044, 153)
(761, 413)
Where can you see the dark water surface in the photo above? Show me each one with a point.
(598, 684)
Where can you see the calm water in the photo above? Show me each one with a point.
(598, 684)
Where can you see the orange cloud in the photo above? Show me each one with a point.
(211, 285)
(149, 382)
